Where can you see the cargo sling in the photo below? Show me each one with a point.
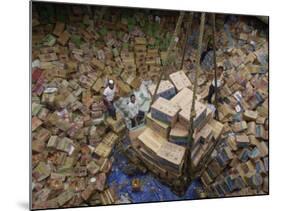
(165, 62)
(192, 113)
(172, 45)
(215, 64)
(188, 32)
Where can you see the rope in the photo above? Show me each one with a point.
(215, 65)
(170, 48)
(188, 31)
(193, 113)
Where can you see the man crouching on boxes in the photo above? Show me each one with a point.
(109, 95)
(135, 114)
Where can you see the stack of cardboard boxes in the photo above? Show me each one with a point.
(163, 144)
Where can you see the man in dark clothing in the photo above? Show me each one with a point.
(212, 88)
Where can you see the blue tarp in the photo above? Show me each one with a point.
(151, 189)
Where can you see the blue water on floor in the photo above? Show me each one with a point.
(151, 189)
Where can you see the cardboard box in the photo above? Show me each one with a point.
(53, 142)
(35, 123)
(59, 27)
(239, 126)
(128, 77)
(179, 135)
(260, 132)
(250, 115)
(135, 83)
(140, 41)
(42, 134)
(48, 57)
(217, 128)
(242, 141)
(97, 63)
(86, 194)
(160, 127)
(108, 197)
(164, 111)
(251, 128)
(110, 139)
(152, 164)
(66, 145)
(134, 134)
(200, 118)
(140, 48)
(103, 150)
(98, 85)
(180, 80)
(172, 154)
(49, 40)
(206, 178)
(38, 146)
(243, 36)
(263, 148)
(64, 197)
(166, 89)
(117, 125)
(41, 171)
(151, 140)
(160, 150)
(93, 167)
(63, 38)
(183, 98)
(225, 112)
(85, 81)
(152, 52)
(124, 89)
(203, 136)
(128, 58)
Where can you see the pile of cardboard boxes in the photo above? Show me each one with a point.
(243, 157)
(239, 164)
(73, 140)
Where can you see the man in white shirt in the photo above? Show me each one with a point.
(134, 113)
(108, 98)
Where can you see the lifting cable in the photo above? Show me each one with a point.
(188, 31)
(172, 45)
(193, 113)
(215, 65)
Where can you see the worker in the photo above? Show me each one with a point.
(206, 52)
(189, 64)
(212, 86)
(135, 114)
(108, 98)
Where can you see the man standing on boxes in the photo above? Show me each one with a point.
(108, 98)
(212, 86)
(134, 113)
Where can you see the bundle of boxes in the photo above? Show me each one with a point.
(163, 143)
